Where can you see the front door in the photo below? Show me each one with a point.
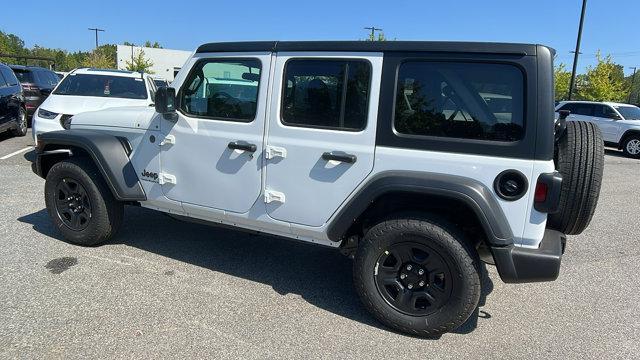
(210, 154)
(321, 133)
(606, 119)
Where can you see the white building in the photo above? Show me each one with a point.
(166, 62)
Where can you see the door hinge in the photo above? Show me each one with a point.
(271, 196)
(164, 178)
(275, 151)
(168, 140)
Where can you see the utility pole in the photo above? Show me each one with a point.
(96, 31)
(373, 32)
(633, 77)
(577, 52)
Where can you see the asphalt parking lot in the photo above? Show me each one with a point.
(164, 288)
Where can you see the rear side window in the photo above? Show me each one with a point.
(479, 101)
(103, 86)
(579, 109)
(332, 94)
(2, 82)
(24, 76)
(9, 77)
(223, 89)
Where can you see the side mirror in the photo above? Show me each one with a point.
(165, 100)
(615, 116)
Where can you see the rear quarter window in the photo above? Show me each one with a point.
(479, 101)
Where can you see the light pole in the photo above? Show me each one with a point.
(577, 52)
(633, 77)
(373, 31)
(96, 31)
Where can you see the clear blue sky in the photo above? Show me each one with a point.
(186, 24)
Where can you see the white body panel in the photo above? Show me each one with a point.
(314, 187)
(208, 173)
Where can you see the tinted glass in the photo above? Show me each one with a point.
(326, 94)
(580, 109)
(629, 112)
(24, 76)
(604, 111)
(160, 83)
(9, 76)
(222, 89)
(460, 100)
(102, 86)
(2, 82)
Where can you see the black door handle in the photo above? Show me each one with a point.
(237, 145)
(345, 158)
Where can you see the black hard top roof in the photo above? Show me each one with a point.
(370, 46)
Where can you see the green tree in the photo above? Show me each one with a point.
(140, 63)
(380, 37)
(561, 77)
(97, 59)
(154, 45)
(604, 82)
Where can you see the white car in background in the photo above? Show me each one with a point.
(91, 89)
(619, 123)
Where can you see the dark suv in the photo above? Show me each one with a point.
(37, 84)
(13, 115)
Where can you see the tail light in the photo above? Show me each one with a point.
(546, 197)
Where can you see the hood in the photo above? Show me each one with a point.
(72, 105)
(140, 117)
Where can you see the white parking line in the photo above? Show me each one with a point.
(16, 153)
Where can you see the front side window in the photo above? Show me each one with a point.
(477, 101)
(103, 86)
(331, 94)
(225, 89)
(629, 112)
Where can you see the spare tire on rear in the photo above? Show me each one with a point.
(579, 157)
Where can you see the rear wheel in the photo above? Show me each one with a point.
(417, 276)
(580, 160)
(21, 124)
(631, 146)
(80, 204)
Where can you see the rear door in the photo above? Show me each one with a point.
(210, 154)
(321, 132)
(606, 118)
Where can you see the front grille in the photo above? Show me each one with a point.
(65, 121)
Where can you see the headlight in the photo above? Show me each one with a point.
(46, 114)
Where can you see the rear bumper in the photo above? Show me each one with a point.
(521, 265)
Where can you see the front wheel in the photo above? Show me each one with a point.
(80, 204)
(21, 124)
(631, 146)
(417, 276)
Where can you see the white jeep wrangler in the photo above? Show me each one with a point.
(418, 159)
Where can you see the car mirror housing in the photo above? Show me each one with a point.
(165, 100)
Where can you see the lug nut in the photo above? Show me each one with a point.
(420, 272)
(402, 276)
(410, 286)
(421, 283)
(409, 267)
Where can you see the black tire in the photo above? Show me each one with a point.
(78, 178)
(21, 124)
(455, 296)
(631, 146)
(580, 160)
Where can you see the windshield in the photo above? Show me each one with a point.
(629, 112)
(102, 86)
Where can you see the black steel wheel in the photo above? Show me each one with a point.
(413, 278)
(417, 275)
(73, 206)
(80, 203)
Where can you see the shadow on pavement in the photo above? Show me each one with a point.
(321, 276)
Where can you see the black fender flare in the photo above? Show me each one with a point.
(106, 151)
(471, 192)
